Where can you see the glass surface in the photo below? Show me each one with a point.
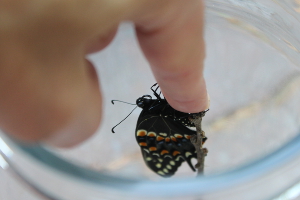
(252, 73)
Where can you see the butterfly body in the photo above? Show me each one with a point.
(163, 135)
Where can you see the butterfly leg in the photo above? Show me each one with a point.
(155, 91)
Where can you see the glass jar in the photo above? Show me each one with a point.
(252, 73)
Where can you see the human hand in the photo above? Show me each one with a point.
(50, 92)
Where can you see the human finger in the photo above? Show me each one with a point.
(175, 49)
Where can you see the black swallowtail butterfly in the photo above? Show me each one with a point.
(163, 135)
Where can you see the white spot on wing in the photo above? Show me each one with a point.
(178, 158)
(158, 165)
(148, 158)
(161, 173)
(163, 134)
(156, 154)
(187, 154)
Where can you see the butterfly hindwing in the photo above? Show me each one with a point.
(165, 142)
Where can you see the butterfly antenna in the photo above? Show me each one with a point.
(113, 102)
(112, 130)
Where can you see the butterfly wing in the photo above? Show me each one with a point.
(165, 143)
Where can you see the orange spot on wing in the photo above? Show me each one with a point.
(173, 139)
(187, 136)
(143, 144)
(167, 139)
(175, 153)
(164, 152)
(178, 136)
(141, 133)
(151, 134)
(159, 138)
(152, 148)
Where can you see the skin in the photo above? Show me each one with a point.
(50, 92)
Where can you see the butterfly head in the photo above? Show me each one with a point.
(144, 100)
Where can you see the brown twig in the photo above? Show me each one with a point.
(197, 141)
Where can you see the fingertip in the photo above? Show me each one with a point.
(192, 106)
(188, 97)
